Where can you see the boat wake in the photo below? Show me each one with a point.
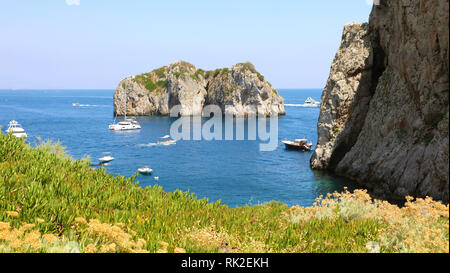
(159, 143)
(302, 105)
(87, 105)
(148, 145)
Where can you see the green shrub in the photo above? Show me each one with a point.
(146, 81)
(50, 194)
(160, 72)
(247, 66)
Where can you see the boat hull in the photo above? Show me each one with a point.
(123, 128)
(104, 160)
(145, 172)
(295, 146)
(20, 135)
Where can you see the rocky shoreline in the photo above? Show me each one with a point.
(239, 91)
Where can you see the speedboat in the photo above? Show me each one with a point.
(106, 159)
(16, 129)
(128, 124)
(145, 170)
(167, 142)
(311, 102)
(75, 104)
(298, 144)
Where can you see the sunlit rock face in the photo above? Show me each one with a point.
(386, 124)
(239, 90)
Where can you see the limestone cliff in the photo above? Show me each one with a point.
(384, 112)
(240, 87)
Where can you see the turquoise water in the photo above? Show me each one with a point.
(235, 172)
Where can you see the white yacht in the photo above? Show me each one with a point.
(127, 124)
(16, 129)
(145, 171)
(106, 159)
(311, 102)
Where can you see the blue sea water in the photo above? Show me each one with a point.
(235, 172)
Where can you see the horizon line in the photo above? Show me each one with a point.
(81, 89)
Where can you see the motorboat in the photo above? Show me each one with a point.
(311, 102)
(127, 124)
(75, 104)
(167, 142)
(298, 144)
(145, 170)
(16, 129)
(106, 159)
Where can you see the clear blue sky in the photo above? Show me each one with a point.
(48, 44)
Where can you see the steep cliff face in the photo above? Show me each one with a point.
(241, 88)
(346, 97)
(399, 143)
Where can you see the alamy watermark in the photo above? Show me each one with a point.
(260, 125)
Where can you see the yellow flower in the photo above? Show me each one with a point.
(80, 220)
(33, 239)
(12, 213)
(179, 250)
(162, 250)
(163, 244)
(50, 238)
(108, 248)
(90, 249)
(4, 226)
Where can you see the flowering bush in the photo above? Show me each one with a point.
(50, 203)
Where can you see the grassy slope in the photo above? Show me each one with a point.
(48, 202)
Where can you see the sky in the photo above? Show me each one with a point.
(94, 44)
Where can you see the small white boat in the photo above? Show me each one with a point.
(75, 104)
(298, 144)
(128, 124)
(16, 129)
(145, 170)
(311, 102)
(167, 142)
(106, 159)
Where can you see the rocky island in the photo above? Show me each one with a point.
(237, 90)
(385, 109)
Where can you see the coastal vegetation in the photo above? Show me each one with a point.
(146, 81)
(52, 203)
(154, 81)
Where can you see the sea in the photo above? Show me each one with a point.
(236, 172)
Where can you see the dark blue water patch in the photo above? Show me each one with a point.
(236, 172)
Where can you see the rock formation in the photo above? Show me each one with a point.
(240, 90)
(384, 111)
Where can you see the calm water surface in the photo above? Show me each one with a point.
(235, 172)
